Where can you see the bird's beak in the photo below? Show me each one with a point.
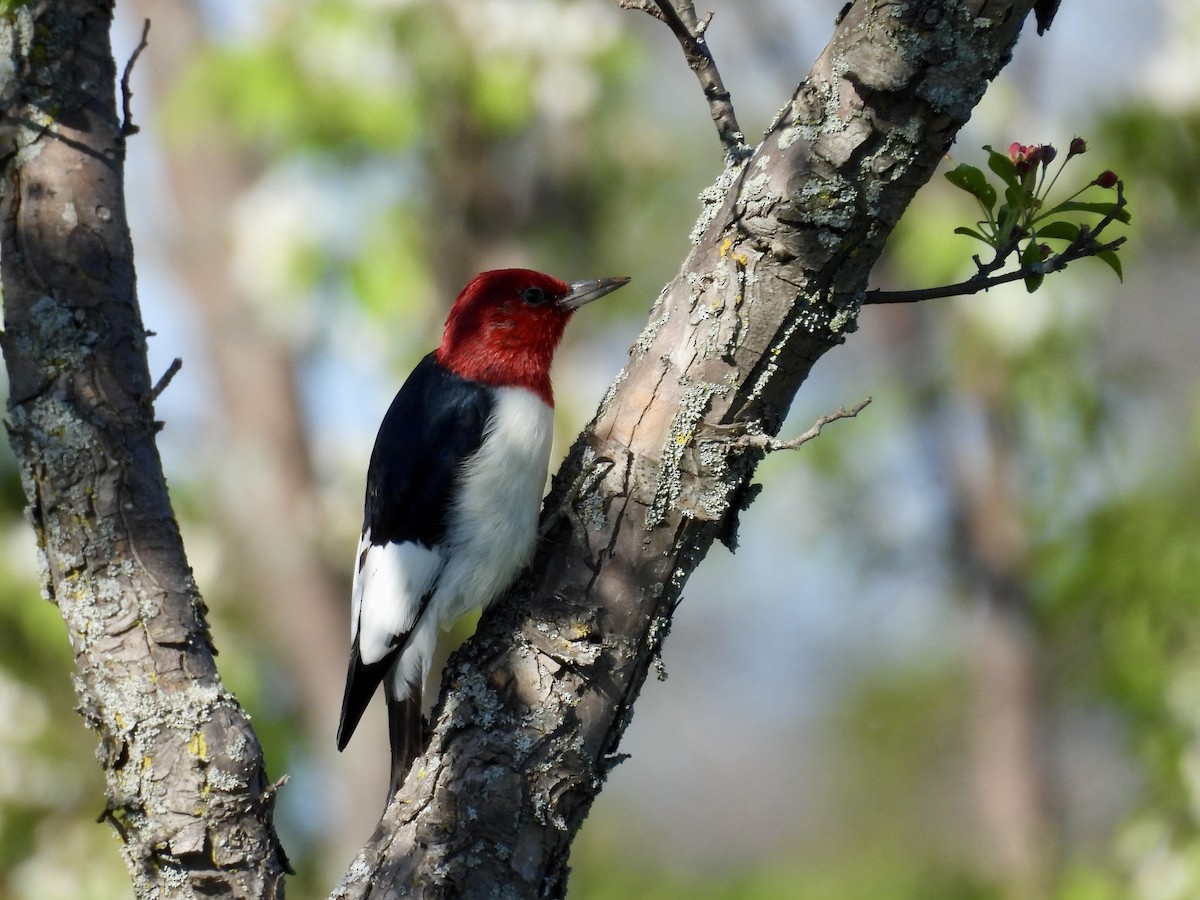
(586, 291)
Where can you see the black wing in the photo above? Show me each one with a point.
(434, 424)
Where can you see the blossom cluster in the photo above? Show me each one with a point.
(1018, 216)
(1027, 157)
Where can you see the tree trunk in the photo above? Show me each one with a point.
(186, 788)
(270, 509)
(535, 705)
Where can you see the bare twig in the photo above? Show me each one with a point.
(1086, 244)
(127, 126)
(1111, 215)
(161, 385)
(646, 6)
(975, 284)
(768, 444)
(689, 29)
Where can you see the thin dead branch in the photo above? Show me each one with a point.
(167, 376)
(768, 444)
(689, 29)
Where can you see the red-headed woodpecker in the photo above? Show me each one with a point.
(454, 488)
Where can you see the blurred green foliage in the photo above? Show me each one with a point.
(1159, 147)
(498, 136)
(1123, 607)
(1114, 567)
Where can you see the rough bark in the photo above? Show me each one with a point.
(186, 789)
(529, 725)
(270, 509)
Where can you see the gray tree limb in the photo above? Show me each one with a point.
(186, 789)
(535, 705)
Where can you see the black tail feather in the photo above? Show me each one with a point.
(361, 682)
(406, 732)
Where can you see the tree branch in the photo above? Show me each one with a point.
(127, 126)
(167, 377)
(1085, 245)
(977, 283)
(689, 30)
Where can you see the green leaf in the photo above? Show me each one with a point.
(1010, 214)
(1016, 199)
(8, 7)
(973, 181)
(1101, 209)
(971, 232)
(1031, 256)
(1060, 230)
(1003, 166)
(1110, 258)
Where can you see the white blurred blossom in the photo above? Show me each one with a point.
(1015, 319)
(560, 40)
(1172, 74)
(350, 51)
(273, 224)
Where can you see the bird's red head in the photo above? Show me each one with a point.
(506, 324)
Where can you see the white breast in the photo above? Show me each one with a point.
(493, 523)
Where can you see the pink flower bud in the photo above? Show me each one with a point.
(1078, 145)
(1047, 153)
(1023, 157)
(1106, 179)
(1044, 250)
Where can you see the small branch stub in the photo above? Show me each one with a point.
(167, 376)
(127, 126)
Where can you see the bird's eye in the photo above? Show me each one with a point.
(534, 296)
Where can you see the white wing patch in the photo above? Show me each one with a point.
(389, 582)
